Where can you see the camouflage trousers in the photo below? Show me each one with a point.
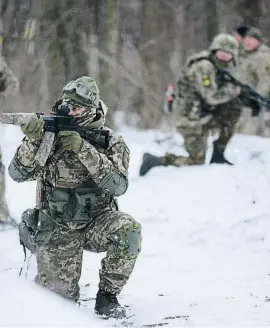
(60, 252)
(3, 204)
(224, 122)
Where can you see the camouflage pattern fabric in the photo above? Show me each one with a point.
(204, 103)
(68, 170)
(91, 84)
(60, 250)
(242, 54)
(224, 120)
(67, 179)
(254, 69)
(225, 42)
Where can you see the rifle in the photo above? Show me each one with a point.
(52, 125)
(248, 96)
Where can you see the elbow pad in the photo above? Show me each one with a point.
(115, 183)
(17, 172)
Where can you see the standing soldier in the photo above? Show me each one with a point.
(204, 101)
(254, 69)
(9, 85)
(76, 208)
(239, 33)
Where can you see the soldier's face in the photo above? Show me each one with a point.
(223, 56)
(75, 110)
(251, 43)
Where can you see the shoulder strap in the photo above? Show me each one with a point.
(195, 60)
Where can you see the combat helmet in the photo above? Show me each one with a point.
(255, 33)
(83, 91)
(241, 29)
(226, 42)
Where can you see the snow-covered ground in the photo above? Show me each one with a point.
(206, 244)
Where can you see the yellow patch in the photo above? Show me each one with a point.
(206, 81)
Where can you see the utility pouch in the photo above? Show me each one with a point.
(28, 228)
(71, 205)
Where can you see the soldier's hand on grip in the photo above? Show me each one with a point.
(70, 140)
(33, 129)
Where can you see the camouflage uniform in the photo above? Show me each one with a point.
(78, 210)
(9, 84)
(204, 102)
(254, 70)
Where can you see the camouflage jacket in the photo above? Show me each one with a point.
(241, 55)
(103, 170)
(198, 89)
(255, 70)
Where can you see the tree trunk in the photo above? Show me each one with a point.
(212, 19)
(156, 46)
(250, 11)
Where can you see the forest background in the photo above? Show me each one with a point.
(133, 48)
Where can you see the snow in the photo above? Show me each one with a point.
(205, 252)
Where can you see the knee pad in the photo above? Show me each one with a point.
(128, 240)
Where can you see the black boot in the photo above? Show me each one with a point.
(107, 305)
(149, 161)
(218, 156)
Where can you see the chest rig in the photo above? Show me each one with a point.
(75, 201)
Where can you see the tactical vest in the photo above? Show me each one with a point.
(186, 92)
(71, 203)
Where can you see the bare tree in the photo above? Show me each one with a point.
(134, 48)
(211, 13)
